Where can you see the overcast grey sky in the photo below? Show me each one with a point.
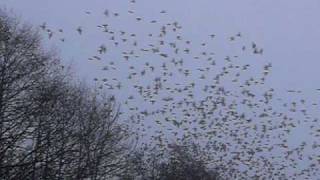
(287, 29)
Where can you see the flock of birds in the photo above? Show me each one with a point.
(174, 89)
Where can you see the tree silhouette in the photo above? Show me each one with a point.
(50, 126)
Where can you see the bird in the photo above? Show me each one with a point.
(106, 13)
(79, 30)
(102, 49)
(43, 26)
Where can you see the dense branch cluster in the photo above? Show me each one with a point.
(51, 128)
(179, 162)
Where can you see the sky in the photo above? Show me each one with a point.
(287, 30)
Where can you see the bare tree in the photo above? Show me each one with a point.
(22, 67)
(178, 162)
(50, 126)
